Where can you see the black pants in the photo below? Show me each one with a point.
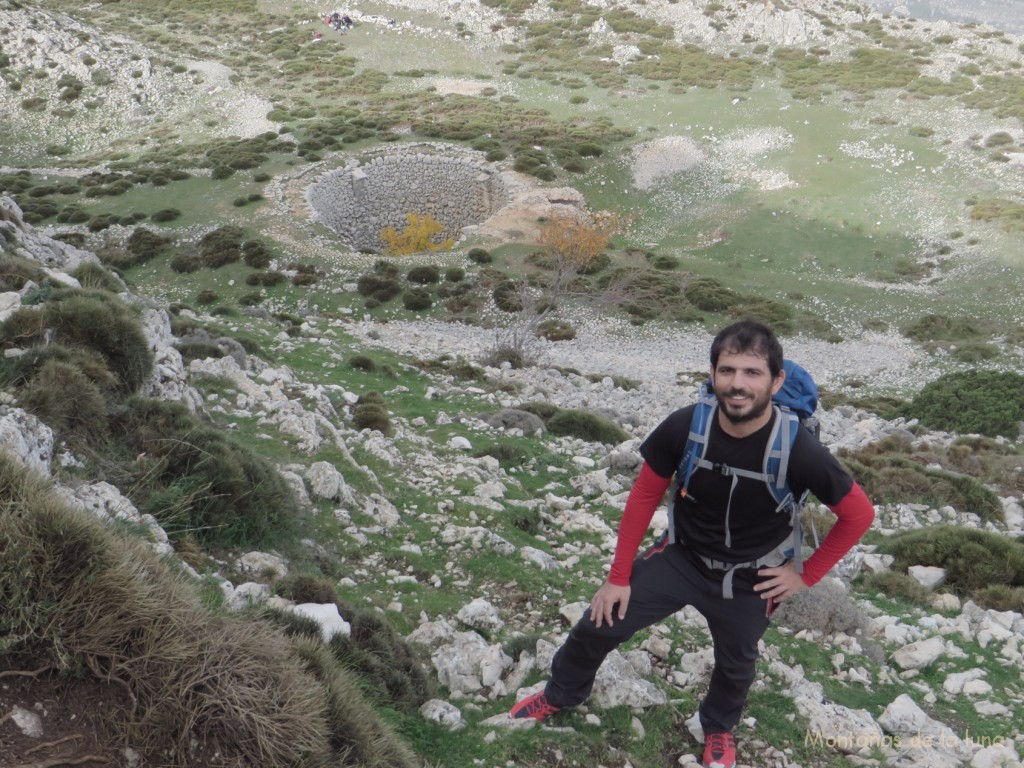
(664, 580)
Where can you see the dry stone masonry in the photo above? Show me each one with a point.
(365, 198)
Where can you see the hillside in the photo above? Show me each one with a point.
(288, 433)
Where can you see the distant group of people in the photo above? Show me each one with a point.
(339, 21)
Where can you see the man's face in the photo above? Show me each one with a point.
(744, 386)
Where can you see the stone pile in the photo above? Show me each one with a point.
(362, 200)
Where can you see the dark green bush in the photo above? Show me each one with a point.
(265, 278)
(507, 296)
(93, 320)
(389, 666)
(507, 453)
(165, 214)
(544, 410)
(555, 330)
(417, 299)
(363, 363)
(586, 426)
(371, 416)
(382, 289)
(479, 255)
(891, 472)
(933, 327)
(976, 401)
(91, 275)
(307, 588)
(68, 401)
(710, 294)
(193, 478)
(183, 263)
(455, 275)
(974, 559)
(593, 266)
(207, 297)
(424, 275)
(898, 586)
(221, 246)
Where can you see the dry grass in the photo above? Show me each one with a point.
(79, 598)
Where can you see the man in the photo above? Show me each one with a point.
(722, 518)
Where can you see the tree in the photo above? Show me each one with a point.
(574, 242)
(417, 236)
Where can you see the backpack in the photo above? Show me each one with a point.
(794, 404)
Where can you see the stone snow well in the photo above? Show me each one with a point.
(363, 199)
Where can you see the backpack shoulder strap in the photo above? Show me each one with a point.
(776, 467)
(697, 440)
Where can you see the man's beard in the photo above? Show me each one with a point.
(757, 408)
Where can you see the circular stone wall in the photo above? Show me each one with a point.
(364, 199)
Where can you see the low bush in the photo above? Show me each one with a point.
(363, 363)
(183, 263)
(710, 294)
(371, 416)
(555, 330)
(941, 328)
(974, 559)
(893, 471)
(479, 256)
(898, 586)
(544, 410)
(93, 276)
(68, 402)
(507, 453)
(194, 478)
(390, 666)
(424, 275)
(93, 320)
(165, 214)
(221, 246)
(455, 275)
(382, 289)
(976, 401)
(507, 296)
(417, 299)
(586, 426)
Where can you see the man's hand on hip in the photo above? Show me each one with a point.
(602, 606)
(780, 582)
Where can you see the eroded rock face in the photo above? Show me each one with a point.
(449, 185)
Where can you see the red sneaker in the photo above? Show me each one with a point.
(719, 750)
(536, 706)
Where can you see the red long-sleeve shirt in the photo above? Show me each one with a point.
(854, 514)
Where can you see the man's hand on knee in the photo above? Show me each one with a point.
(602, 606)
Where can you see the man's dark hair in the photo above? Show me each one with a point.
(749, 336)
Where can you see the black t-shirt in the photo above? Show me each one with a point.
(755, 526)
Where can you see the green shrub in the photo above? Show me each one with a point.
(183, 263)
(891, 471)
(307, 588)
(424, 275)
(93, 320)
(94, 276)
(387, 664)
(371, 416)
(941, 328)
(207, 297)
(586, 426)
(710, 294)
(363, 363)
(382, 289)
(67, 401)
(417, 299)
(999, 139)
(455, 275)
(507, 453)
(195, 479)
(974, 559)
(507, 296)
(198, 350)
(898, 586)
(221, 246)
(544, 410)
(165, 214)
(976, 401)
(479, 255)
(555, 330)
(265, 278)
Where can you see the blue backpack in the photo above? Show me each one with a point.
(795, 404)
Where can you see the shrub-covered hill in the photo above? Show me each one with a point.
(264, 484)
